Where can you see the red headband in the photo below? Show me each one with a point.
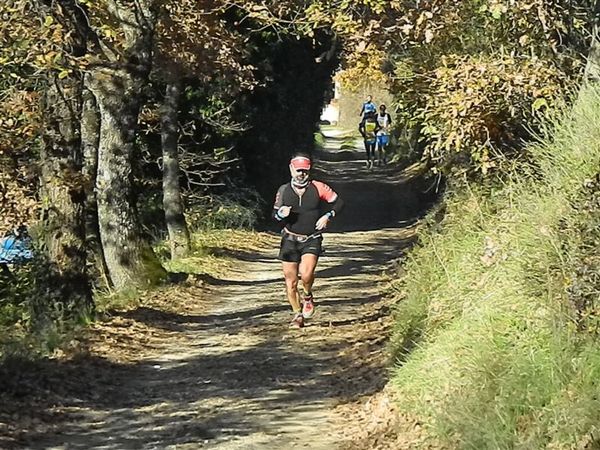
(300, 163)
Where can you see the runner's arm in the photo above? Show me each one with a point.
(336, 207)
(334, 201)
(361, 127)
(279, 210)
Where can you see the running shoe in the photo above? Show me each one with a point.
(297, 321)
(308, 306)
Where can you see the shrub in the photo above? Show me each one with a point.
(241, 209)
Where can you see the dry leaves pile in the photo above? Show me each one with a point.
(87, 369)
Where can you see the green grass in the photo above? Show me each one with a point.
(348, 137)
(351, 142)
(117, 300)
(489, 356)
(319, 139)
(209, 251)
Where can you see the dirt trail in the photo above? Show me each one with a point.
(233, 376)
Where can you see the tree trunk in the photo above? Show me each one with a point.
(117, 87)
(129, 258)
(62, 185)
(63, 191)
(90, 139)
(592, 68)
(179, 236)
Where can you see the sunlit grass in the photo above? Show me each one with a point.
(211, 251)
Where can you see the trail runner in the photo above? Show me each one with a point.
(383, 135)
(304, 208)
(368, 128)
(368, 107)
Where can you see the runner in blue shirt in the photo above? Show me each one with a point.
(368, 107)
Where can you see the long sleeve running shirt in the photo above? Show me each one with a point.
(317, 199)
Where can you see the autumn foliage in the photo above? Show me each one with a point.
(472, 80)
(83, 89)
(477, 77)
(474, 77)
(476, 107)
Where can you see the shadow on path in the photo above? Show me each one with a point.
(230, 375)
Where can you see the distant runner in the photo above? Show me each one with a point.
(368, 107)
(383, 135)
(368, 128)
(304, 208)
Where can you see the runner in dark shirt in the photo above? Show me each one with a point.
(368, 128)
(304, 208)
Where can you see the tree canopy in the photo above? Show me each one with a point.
(93, 92)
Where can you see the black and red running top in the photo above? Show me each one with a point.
(317, 199)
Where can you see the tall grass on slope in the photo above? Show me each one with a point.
(490, 355)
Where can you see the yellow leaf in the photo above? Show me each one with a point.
(539, 103)
(428, 36)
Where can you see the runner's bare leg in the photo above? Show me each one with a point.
(308, 264)
(290, 273)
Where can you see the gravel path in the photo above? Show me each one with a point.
(233, 376)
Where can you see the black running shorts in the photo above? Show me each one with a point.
(292, 251)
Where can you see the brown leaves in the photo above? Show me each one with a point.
(17, 201)
(472, 75)
(364, 67)
(473, 104)
(19, 127)
(194, 39)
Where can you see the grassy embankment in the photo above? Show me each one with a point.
(492, 352)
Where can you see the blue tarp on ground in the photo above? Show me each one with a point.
(15, 249)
